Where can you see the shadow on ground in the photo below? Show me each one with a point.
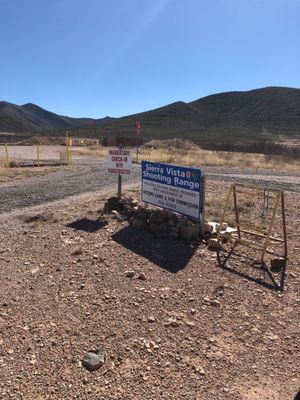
(171, 255)
(87, 225)
(252, 269)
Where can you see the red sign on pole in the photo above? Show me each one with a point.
(138, 127)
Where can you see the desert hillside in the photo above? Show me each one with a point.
(267, 114)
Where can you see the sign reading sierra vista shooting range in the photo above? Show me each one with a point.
(172, 187)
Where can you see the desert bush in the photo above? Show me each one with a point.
(13, 164)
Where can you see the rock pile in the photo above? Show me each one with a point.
(162, 223)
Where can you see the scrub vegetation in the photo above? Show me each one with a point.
(195, 156)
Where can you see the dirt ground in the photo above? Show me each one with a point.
(181, 328)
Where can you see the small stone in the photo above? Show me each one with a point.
(77, 252)
(94, 359)
(198, 369)
(165, 364)
(173, 322)
(208, 228)
(130, 274)
(273, 337)
(142, 276)
(190, 323)
(214, 244)
(151, 319)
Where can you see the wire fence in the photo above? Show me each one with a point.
(35, 155)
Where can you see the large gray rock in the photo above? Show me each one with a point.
(214, 244)
(188, 232)
(94, 359)
(159, 216)
(143, 216)
(160, 229)
(138, 224)
(111, 204)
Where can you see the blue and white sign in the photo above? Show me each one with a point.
(172, 187)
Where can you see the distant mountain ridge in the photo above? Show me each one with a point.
(259, 114)
(32, 118)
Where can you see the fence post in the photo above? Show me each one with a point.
(67, 147)
(6, 156)
(38, 154)
(202, 202)
(161, 154)
(70, 155)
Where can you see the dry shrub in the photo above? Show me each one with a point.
(96, 151)
(201, 158)
(13, 164)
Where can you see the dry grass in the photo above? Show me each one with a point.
(201, 158)
(9, 174)
(90, 151)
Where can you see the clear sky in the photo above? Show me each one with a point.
(95, 58)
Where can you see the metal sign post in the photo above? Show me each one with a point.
(119, 186)
(202, 205)
(138, 127)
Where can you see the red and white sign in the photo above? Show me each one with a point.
(138, 127)
(119, 161)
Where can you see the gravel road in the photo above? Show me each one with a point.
(89, 174)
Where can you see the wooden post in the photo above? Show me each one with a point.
(6, 156)
(38, 154)
(236, 212)
(284, 224)
(119, 186)
(67, 147)
(70, 155)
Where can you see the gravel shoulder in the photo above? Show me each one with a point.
(87, 175)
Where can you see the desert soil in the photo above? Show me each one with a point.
(180, 328)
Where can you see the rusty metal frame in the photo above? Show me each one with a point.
(255, 191)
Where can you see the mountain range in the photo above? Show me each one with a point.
(231, 117)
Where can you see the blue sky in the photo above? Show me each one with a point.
(117, 57)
